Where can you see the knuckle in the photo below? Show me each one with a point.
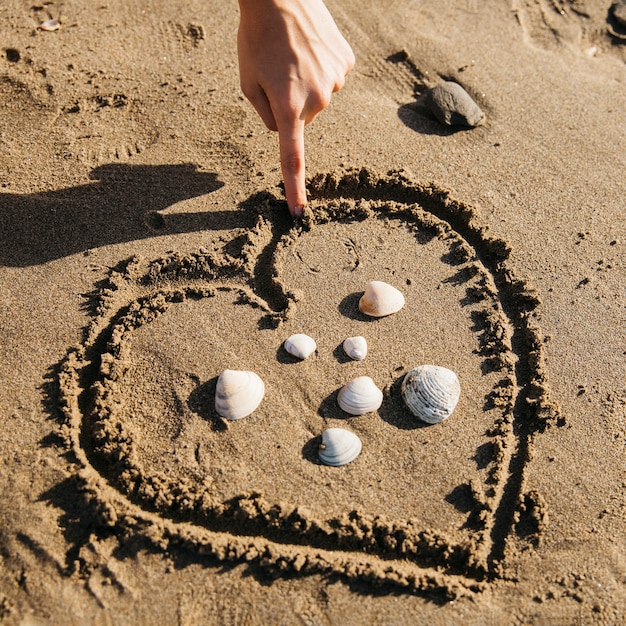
(319, 100)
(292, 162)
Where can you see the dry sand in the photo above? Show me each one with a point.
(145, 247)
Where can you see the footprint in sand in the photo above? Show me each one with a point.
(106, 127)
(427, 508)
(571, 24)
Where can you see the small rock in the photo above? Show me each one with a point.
(453, 106)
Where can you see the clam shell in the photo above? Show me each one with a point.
(238, 393)
(360, 396)
(339, 447)
(50, 25)
(380, 299)
(300, 345)
(355, 347)
(453, 106)
(431, 392)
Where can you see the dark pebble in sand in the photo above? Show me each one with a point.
(453, 106)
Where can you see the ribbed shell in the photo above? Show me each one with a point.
(380, 299)
(299, 345)
(355, 347)
(339, 447)
(431, 392)
(238, 393)
(360, 396)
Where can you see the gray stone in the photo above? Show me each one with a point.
(453, 106)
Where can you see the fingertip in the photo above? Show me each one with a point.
(297, 210)
(291, 139)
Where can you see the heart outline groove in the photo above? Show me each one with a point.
(282, 539)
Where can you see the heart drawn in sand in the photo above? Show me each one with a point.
(158, 461)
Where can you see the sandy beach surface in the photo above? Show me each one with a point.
(145, 247)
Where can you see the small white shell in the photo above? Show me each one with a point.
(339, 447)
(355, 347)
(300, 346)
(380, 299)
(238, 393)
(50, 25)
(431, 392)
(360, 396)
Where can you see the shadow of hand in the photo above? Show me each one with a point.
(122, 205)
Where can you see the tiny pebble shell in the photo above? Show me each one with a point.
(355, 347)
(301, 346)
(339, 447)
(431, 392)
(380, 299)
(453, 106)
(50, 25)
(238, 393)
(360, 396)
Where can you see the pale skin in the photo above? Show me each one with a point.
(292, 58)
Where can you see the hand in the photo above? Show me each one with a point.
(292, 58)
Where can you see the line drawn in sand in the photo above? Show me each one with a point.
(152, 459)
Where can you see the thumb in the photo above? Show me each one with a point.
(291, 140)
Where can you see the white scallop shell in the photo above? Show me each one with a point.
(355, 347)
(431, 392)
(300, 346)
(339, 447)
(238, 393)
(360, 396)
(380, 299)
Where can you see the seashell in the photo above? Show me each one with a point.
(339, 447)
(431, 392)
(50, 25)
(380, 299)
(238, 393)
(355, 347)
(360, 396)
(300, 346)
(453, 106)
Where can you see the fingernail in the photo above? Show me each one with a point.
(298, 210)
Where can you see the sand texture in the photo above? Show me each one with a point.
(145, 247)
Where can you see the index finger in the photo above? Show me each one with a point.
(291, 140)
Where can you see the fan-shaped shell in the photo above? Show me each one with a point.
(360, 396)
(380, 299)
(238, 393)
(431, 392)
(355, 347)
(339, 447)
(300, 345)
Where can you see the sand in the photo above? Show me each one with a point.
(145, 247)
